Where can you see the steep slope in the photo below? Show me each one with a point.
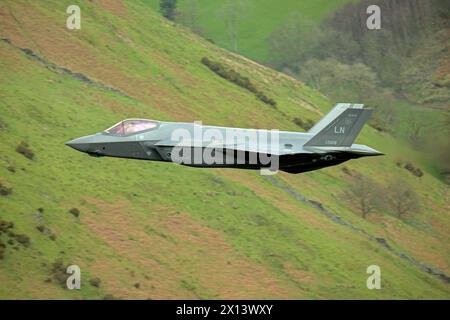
(152, 230)
(426, 76)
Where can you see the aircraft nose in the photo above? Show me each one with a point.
(81, 144)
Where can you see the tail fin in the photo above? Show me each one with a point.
(340, 126)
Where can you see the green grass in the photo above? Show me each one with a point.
(258, 21)
(183, 232)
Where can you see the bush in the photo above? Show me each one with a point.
(5, 189)
(236, 78)
(23, 239)
(348, 171)
(5, 225)
(75, 212)
(2, 125)
(304, 124)
(261, 96)
(59, 272)
(43, 229)
(24, 149)
(95, 282)
(415, 171)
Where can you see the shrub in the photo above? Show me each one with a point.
(43, 229)
(347, 171)
(304, 124)
(2, 125)
(75, 212)
(378, 125)
(5, 189)
(59, 272)
(24, 149)
(95, 282)
(23, 239)
(5, 225)
(418, 172)
(415, 171)
(236, 78)
(261, 96)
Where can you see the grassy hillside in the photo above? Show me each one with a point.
(259, 19)
(426, 77)
(155, 230)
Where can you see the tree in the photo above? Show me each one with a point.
(363, 195)
(341, 82)
(168, 8)
(402, 199)
(294, 41)
(232, 12)
(189, 15)
(416, 128)
(436, 144)
(338, 45)
(351, 82)
(444, 154)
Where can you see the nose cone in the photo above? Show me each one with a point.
(82, 144)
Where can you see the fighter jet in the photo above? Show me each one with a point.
(328, 143)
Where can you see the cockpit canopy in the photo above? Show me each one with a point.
(131, 126)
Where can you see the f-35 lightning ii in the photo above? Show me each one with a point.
(328, 143)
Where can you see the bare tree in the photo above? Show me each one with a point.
(189, 15)
(232, 12)
(444, 153)
(364, 195)
(402, 199)
(416, 128)
(294, 41)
